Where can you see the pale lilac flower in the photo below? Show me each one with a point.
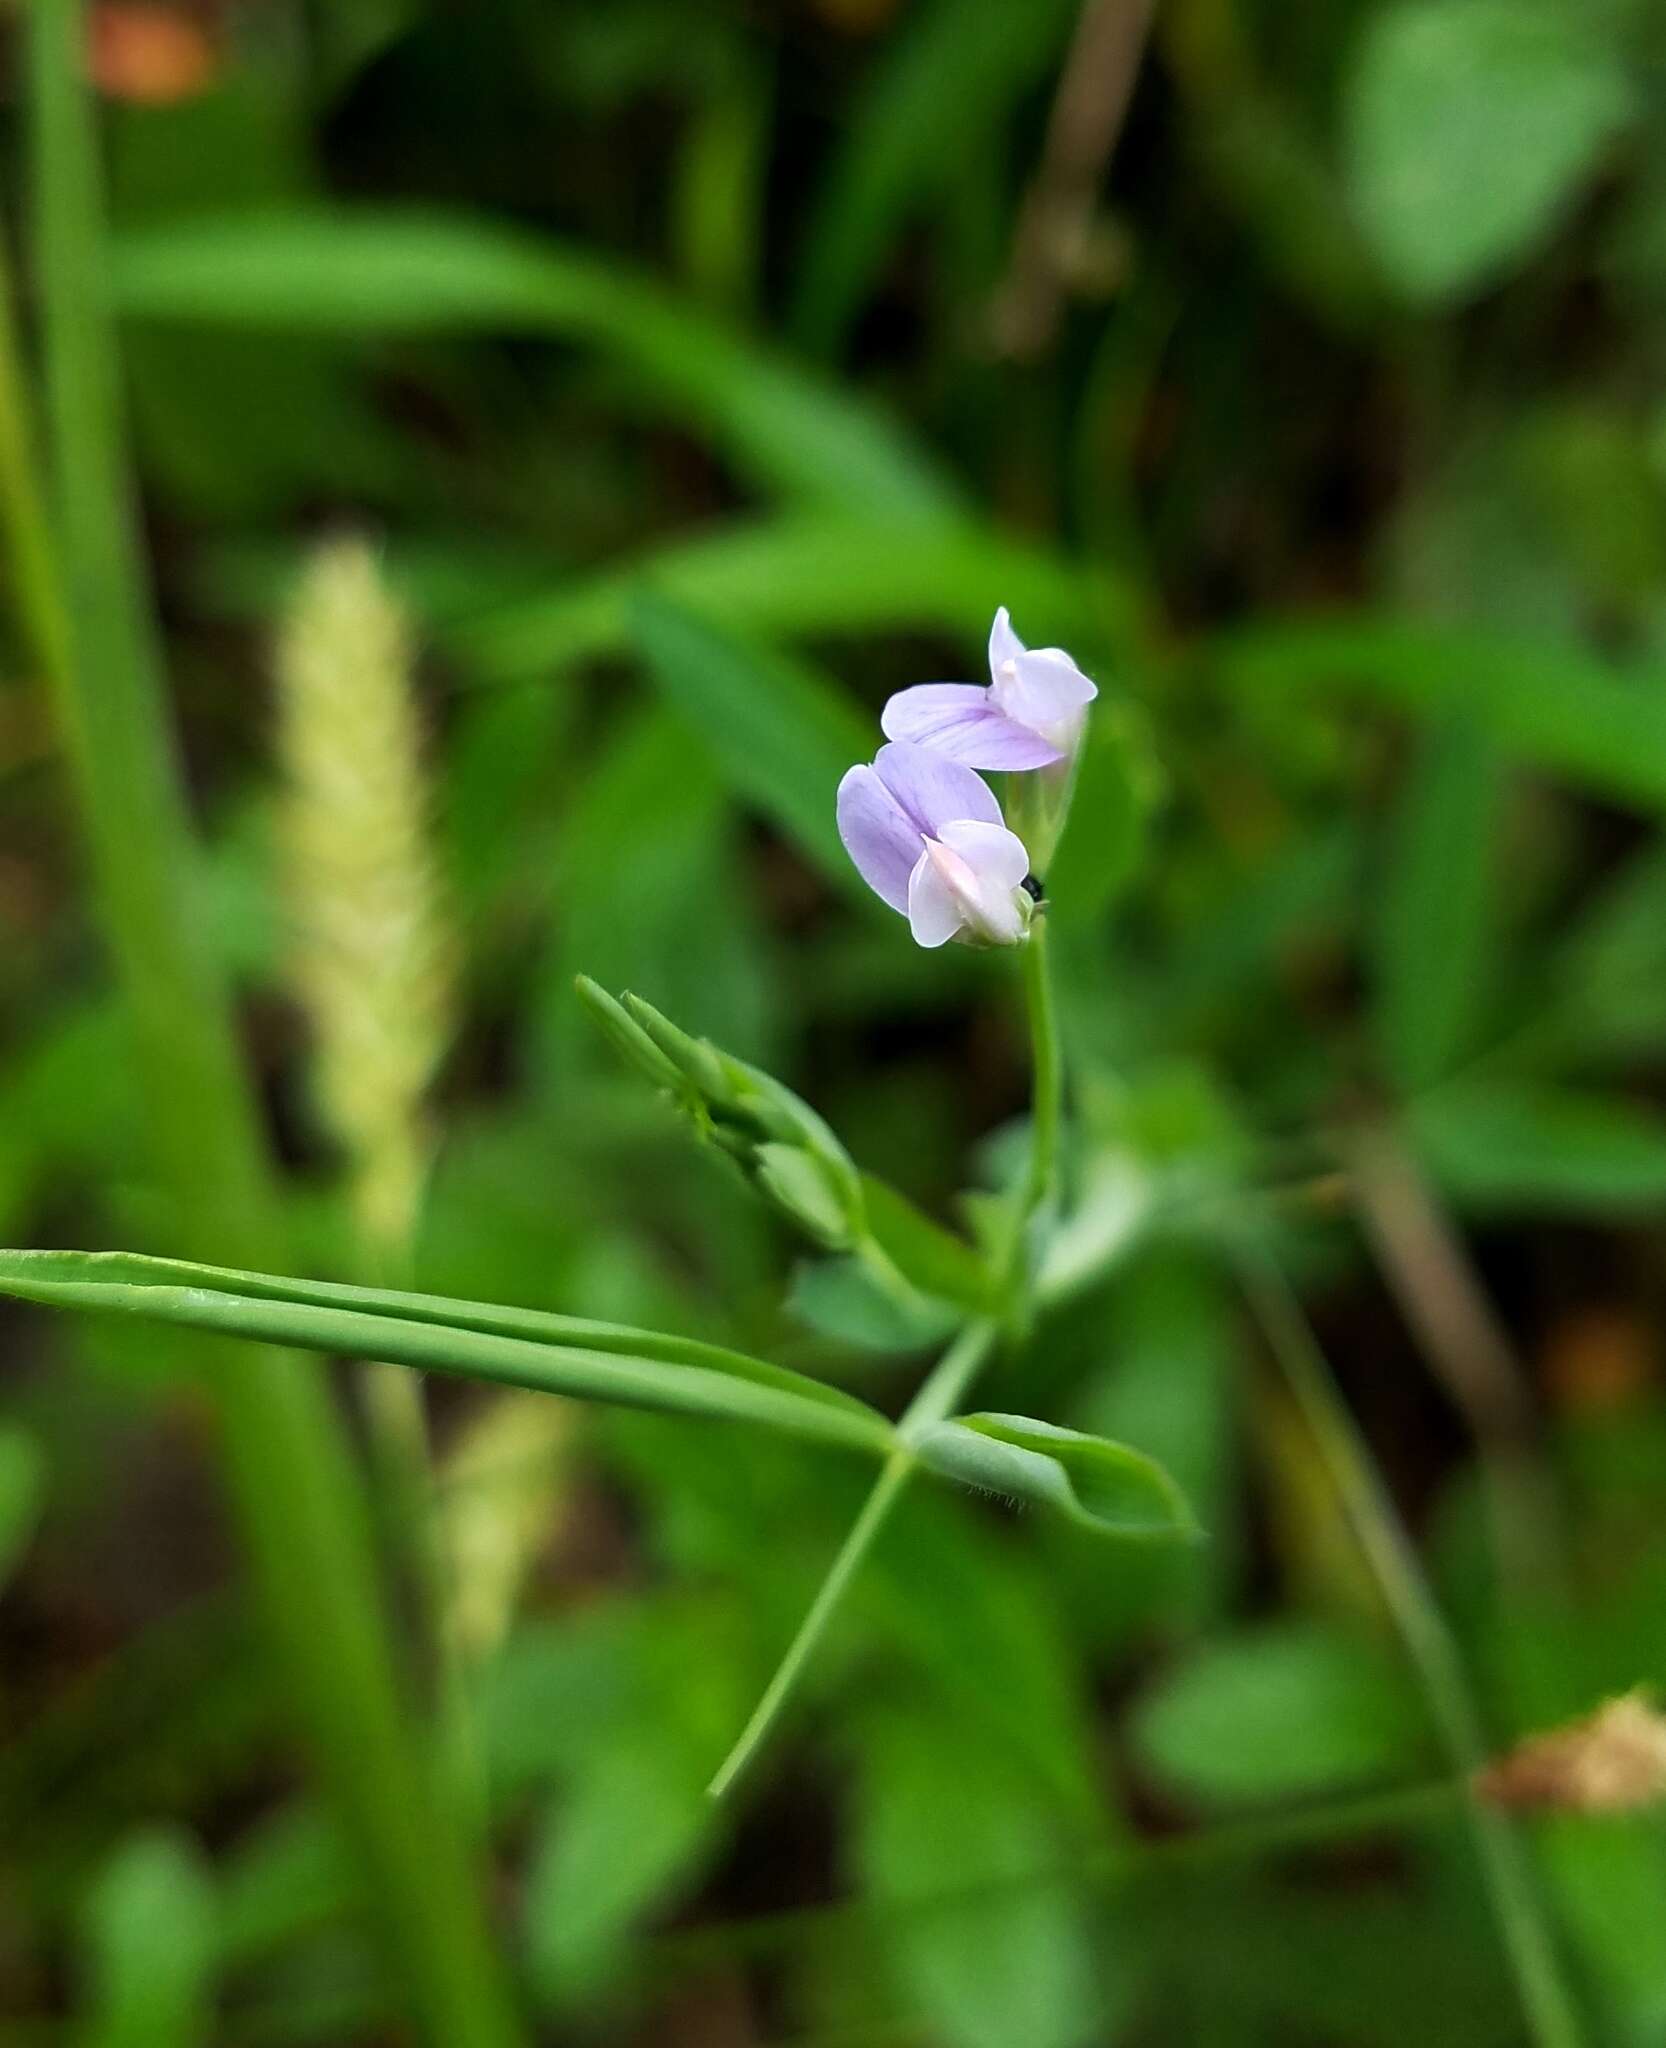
(926, 836)
(1029, 717)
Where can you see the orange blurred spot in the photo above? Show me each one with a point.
(150, 55)
(856, 17)
(1597, 1361)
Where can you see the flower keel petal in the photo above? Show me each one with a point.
(995, 855)
(933, 913)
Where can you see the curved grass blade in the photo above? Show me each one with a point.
(1600, 726)
(387, 272)
(1102, 1486)
(468, 1340)
(798, 574)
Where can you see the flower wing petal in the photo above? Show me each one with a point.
(933, 914)
(878, 835)
(930, 789)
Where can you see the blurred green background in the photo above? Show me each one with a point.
(700, 374)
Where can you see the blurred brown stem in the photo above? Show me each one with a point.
(1428, 1270)
(1548, 2010)
(1056, 221)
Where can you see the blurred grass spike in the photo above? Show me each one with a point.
(372, 956)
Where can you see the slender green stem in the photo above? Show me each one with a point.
(1048, 1100)
(85, 605)
(1111, 1867)
(811, 1629)
(1551, 2017)
(949, 1379)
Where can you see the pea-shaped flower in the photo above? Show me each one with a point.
(926, 836)
(1030, 716)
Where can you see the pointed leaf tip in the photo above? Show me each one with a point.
(1104, 1487)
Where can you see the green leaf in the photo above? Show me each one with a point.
(624, 1033)
(22, 1493)
(789, 1152)
(845, 1300)
(635, 1823)
(1438, 904)
(1102, 1486)
(469, 1340)
(1471, 126)
(1008, 1960)
(1162, 1371)
(1278, 1713)
(1522, 1145)
(796, 1181)
(371, 272)
(1607, 1876)
(150, 1948)
(1605, 989)
(781, 735)
(929, 1257)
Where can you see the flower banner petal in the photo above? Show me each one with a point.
(933, 790)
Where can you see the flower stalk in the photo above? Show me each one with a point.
(949, 1381)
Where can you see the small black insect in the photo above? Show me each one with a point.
(1033, 888)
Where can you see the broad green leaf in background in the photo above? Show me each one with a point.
(1520, 1145)
(290, 1873)
(1604, 993)
(635, 1823)
(1103, 1487)
(149, 1932)
(781, 735)
(956, 69)
(621, 1709)
(1163, 1372)
(22, 1491)
(987, 1972)
(1602, 728)
(844, 1299)
(376, 273)
(471, 1340)
(933, 1259)
(954, 1599)
(1471, 126)
(1608, 1876)
(1280, 1712)
(1437, 906)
